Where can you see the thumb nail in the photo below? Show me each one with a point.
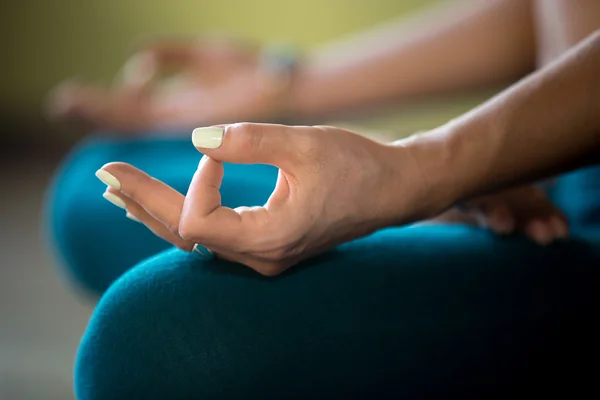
(208, 138)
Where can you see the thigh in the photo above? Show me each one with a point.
(405, 313)
(93, 238)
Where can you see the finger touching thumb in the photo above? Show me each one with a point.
(247, 143)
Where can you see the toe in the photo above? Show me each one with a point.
(540, 231)
(501, 220)
(559, 227)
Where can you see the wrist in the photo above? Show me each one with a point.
(277, 75)
(315, 89)
(427, 172)
(299, 100)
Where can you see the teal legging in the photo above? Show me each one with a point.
(418, 312)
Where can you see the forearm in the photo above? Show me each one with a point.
(561, 24)
(453, 47)
(546, 124)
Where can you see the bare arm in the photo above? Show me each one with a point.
(546, 124)
(561, 24)
(457, 46)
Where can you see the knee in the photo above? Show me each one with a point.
(117, 357)
(153, 335)
(173, 328)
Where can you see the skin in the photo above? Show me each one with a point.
(523, 209)
(480, 43)
(394, 56)
(390, 185)
(558, 25)
(269, 239)
(222, 75)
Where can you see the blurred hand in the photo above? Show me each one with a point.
(333, 186)
(524, 209)
(215, 81)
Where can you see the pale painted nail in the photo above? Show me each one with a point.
(202, 252)
(208, 138)
(113, 198)
(108, 179)
(132, 217)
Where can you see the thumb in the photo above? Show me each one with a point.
(247, 143)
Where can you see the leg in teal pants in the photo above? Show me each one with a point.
(414, 312)
(406, 313)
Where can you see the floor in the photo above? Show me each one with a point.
(41, 316)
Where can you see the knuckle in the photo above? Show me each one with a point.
(243, 128)
(185, 230)
(247, 137)
(192, 230)
(174, 229)
(307, 145)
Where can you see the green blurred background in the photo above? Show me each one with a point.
(46, 41)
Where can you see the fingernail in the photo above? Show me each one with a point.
(108, 179)
(113, 198)
(132, 217)
(208, 138)
(202, 252)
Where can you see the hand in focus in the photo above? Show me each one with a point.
(212, 81)
(524, 209)
(333, 186)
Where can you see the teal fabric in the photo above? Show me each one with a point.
(406, 313)
(578, 195)
(413, 312)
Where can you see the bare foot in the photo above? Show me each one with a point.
(524, 209)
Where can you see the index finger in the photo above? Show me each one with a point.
(203, 218)
(241, 230)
